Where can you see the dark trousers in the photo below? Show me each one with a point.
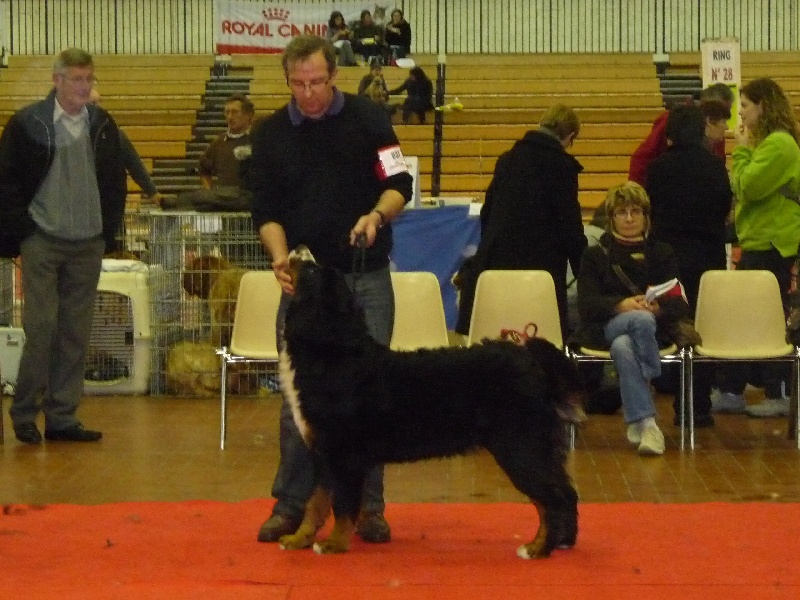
(59, 280)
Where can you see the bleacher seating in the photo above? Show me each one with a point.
(783, 67)
(156, 100)
(616, 97)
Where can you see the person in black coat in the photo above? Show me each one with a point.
(531, 217)
(691, 194)
(419, 90)
(62, 201)
(691, 197)
(398, 35)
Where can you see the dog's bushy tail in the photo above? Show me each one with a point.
(563, 376)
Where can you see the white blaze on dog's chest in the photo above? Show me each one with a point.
(291, 393)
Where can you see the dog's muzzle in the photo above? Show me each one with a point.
(301, 254)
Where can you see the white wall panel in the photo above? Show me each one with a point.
(475, 26)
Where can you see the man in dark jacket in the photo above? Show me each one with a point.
(531, 217)
(337, 175)
(62, 197)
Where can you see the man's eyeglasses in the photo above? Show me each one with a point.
(90, 81)
(314, 86)
(628, 212)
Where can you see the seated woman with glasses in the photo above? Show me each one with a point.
(615, 314)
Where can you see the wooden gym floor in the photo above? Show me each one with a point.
(167, 449)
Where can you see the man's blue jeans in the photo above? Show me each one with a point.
(296, 477)
(634, 349)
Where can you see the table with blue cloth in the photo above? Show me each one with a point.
(436, 240)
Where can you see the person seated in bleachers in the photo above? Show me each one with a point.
(368, 37)
(132, 160)
(224, 170)
(373, 85)
(419, 90)
(616, 315)
(341, 37)
(223, 167)
(398, 35)
(656, 141)
(691, 197)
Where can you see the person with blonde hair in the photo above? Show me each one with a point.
(766, 184)
(531, 217)
(615, 315)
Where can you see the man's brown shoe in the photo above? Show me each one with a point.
(276, 527)
(373, 528)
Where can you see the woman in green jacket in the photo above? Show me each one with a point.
(766, 183)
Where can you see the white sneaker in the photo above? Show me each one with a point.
(652, 443)
(635, 433)
(770, 407)
(726, 402)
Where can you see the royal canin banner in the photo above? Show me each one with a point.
(266, 27)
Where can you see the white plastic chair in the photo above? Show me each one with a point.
(511, 299)
(740, 317)
(419, 320)
(253, 338)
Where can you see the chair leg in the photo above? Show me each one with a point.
(687, 366)
(794, 407)
(571, 432)
(223, 401)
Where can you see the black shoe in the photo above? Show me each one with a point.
(28, 433)
(373, 528)
(76, 433)
(700, 421)
(276, 527)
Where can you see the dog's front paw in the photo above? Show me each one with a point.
(533, 550)
(295, 541)
(331, 545)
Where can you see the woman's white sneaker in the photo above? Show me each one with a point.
(726, 402)
(652, 443)
(771, 407)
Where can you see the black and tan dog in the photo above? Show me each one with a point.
(359, 404)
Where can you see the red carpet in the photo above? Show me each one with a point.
(202, 550)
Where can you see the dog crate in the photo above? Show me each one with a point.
(12, 337)
(198, 259)
(118, 357)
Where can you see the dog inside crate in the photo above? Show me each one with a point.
(202, 257)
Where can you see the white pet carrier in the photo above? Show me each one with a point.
(11, 341)
(118, 360)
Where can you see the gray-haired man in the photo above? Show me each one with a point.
(62, 197)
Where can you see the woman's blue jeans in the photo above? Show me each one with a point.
(634, 349)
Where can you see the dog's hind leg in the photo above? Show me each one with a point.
(317, 510)
(542, 477)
